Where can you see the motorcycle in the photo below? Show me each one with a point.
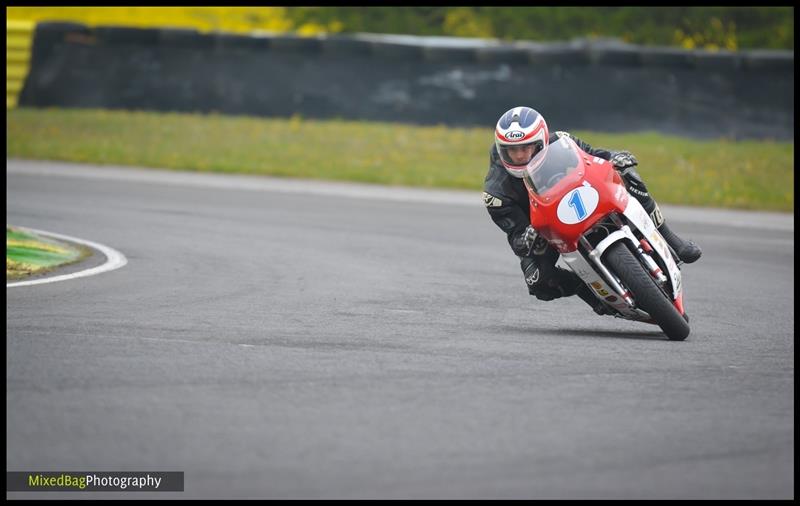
(580, 206)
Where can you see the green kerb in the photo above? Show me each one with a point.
(28, 253)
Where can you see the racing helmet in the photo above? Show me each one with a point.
(517, 129)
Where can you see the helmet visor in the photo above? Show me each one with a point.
(520, 154)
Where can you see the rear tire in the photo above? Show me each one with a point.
(646, 293)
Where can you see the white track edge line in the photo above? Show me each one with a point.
(114, 260)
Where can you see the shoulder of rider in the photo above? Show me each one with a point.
(558, 134)
(493, 154)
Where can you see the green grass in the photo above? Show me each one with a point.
(720, 173)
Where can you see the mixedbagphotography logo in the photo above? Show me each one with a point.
(91, 481)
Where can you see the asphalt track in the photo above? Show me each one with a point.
(283, 339)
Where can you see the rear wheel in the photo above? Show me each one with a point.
(648, 296)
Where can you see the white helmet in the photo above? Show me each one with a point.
(521, 126)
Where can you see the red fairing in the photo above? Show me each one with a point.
(679, 303)
(611, 197)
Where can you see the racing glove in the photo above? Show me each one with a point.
(530, 242)
(624, 159)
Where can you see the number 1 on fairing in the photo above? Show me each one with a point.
(576, 202)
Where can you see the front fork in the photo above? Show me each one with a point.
(641, 249)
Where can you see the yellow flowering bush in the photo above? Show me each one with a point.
(205, 19)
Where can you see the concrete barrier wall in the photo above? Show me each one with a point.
(601, 85)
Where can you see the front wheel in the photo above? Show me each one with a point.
(646, 293)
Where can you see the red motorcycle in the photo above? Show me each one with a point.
(579, 204)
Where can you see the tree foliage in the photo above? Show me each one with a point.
(689, 27)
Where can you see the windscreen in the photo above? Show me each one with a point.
(561, 159)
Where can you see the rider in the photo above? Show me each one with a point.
(506, 199)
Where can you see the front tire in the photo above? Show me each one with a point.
(646, 293)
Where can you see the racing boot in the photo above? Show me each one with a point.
(687, 251)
